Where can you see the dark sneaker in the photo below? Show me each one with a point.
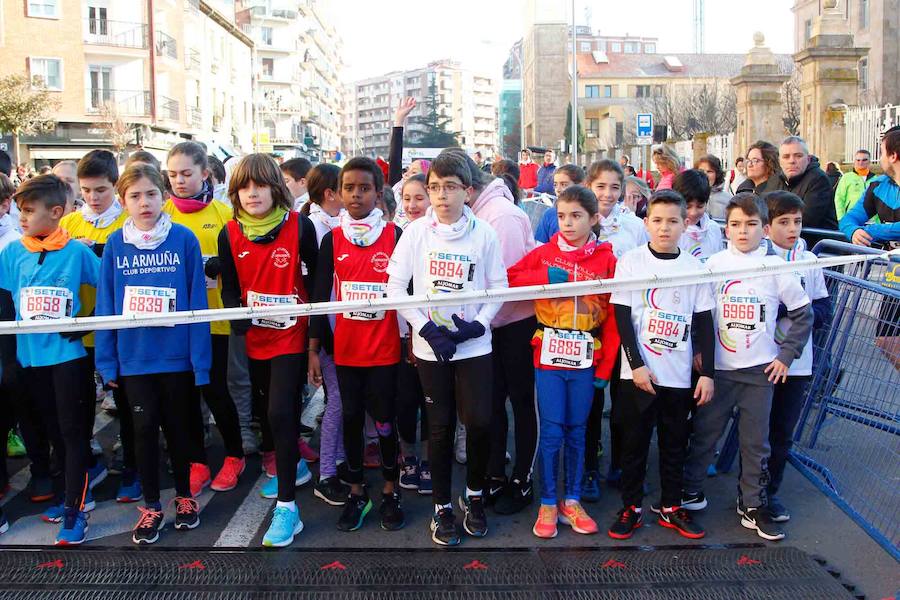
(493, 489)
(627, 520)
(146, 531)
(409, 473)
(777, 511)
(516, 496)
(332, 491)
(613, 477)
(391, 512)
(590, 487)
(187, 513)
(694, 501)
(760, 520)
(355, 511)
(443, 528)
(40, 488)
(424, 478)
(474, 519)
(681, 521)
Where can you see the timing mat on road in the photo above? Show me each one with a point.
(670, 573)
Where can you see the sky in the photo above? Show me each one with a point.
(389, 35)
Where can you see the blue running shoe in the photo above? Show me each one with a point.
(590, 487)
(55, 513)
(130, 489)
(96, 475)
(270, 489)
(711, 470)
(73, 529)
(285, 525)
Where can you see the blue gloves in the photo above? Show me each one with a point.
(440, 340)
(466, 330)
(557, 275)
(600, 383)
(782, 311)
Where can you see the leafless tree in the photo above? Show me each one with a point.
(693, 107)
(119, 131)
(790, 98)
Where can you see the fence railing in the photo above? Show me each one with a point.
(166, 45)
(169, 109)
(864, 126)
(125, 103)
(123, 34)
(722, 146)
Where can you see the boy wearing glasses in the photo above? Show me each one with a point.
(853, 184)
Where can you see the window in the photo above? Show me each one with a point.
(46, 72)
(585, 46)
(48, 9)
(607, 91)
(620, 134)
(649, 48)
(642, 91)
(631, 48)
(864, 13)
(593, 128)
(268, 67)
(101, 90)
(807, 31)
(615, 46)
(864, 74)
(266, 35)
(97, 23)
(592, 91)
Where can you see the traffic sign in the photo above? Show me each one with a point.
(644, 129)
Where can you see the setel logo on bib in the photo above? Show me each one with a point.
(745, 314)
(255, 300)
(665, 330)
(45, 303)
(449, 272)
(354, 291)
(567, 349)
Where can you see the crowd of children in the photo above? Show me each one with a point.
(194, 234)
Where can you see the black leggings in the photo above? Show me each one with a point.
(126, 423)
(460, 387)
(410, 400)
(513, 378)
(220, 404)
(55, 398)
(594, 430)
(276, 386)
(369, 390)
(161, 400)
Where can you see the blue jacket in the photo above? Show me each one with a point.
(882, 198)
(548, 226)
(545, 180)
(177, 264)
(70, 267)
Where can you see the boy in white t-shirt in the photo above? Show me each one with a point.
(657, 351)
(702, 238)
(785, 223)
(748, 362)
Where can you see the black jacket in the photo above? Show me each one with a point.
(814, 187)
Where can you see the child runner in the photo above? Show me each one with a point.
(449, 250)
(352, 266)
(295, 171)
(702, 238)
(656, 327)
(785, 224)
(575, 348)
(564, 177)
(153, 266)
(324, 210)
(748, 362)
(261, 251)
(44, 271)
(191, 204)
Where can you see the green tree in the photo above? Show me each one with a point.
(579, 130)
(437, 133)
(26, 108)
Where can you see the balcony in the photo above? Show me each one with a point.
(264, 12)
(121, 34)
(120, 103)
(192, 61)
(195, 117)
(169, 109)
(166, 45)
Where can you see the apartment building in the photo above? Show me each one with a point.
(165, 70)
(468, 99)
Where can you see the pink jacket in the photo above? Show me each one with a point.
(496, 206)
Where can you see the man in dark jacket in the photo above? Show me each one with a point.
(802, 175)
(545, 175)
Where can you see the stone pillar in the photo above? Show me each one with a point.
(700, 147)
(829, 83)
(759, 105)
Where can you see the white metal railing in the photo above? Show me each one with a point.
(864, 126)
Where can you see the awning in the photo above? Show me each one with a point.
(59, 153)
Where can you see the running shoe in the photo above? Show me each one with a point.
(627, 521)
(73, 529)
(760, 520)
(200, 478)
(590, 487)
(409, 473)
(516, 496)
(40, 488)
(680, 520)
(57, 512)
(695, 501)
(545, 526)
(270, 488)
(97, 475)
(443, 528)
(15, 447)
(332, 491)
(391, 512)
(187, 513)
(228, 476)
(493, 489)
(285, 525)
(268, 464)
(424, 478)
(307, 452)
(4, 524)
(777, 511)
(130, 488)
(147, 529)
(474, 518)
(372, 456)
(574, 515)
(355, 512)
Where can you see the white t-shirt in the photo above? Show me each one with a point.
(746, 309)
(703, 239)
(661, 317)
(470, 262)
(622, 229)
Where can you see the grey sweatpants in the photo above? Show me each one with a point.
(239, 378)
(750, 391)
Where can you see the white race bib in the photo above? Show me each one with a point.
(211, 282)
(255, 299)
(354, 291)
(448, 272)
(45, 303)
(665, 330)
(567, 349)
(143, 301)
(742, 314)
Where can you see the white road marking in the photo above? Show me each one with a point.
(247, 519)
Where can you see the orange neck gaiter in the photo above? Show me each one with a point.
(55, 241)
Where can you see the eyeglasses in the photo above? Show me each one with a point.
(754, 161)
(636, 196)
(450, 188)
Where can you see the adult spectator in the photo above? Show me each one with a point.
(762, 169)
(629, 171)
(718, 196)
(853, 184)
(737, 175)
(482, 164)
(5, 164)
(508, 171)
(668, 164)
(67, 170)
(801, 175)
(623, 160)
(545, 174)
(637, 194)
(834, 175)
(527, 172)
